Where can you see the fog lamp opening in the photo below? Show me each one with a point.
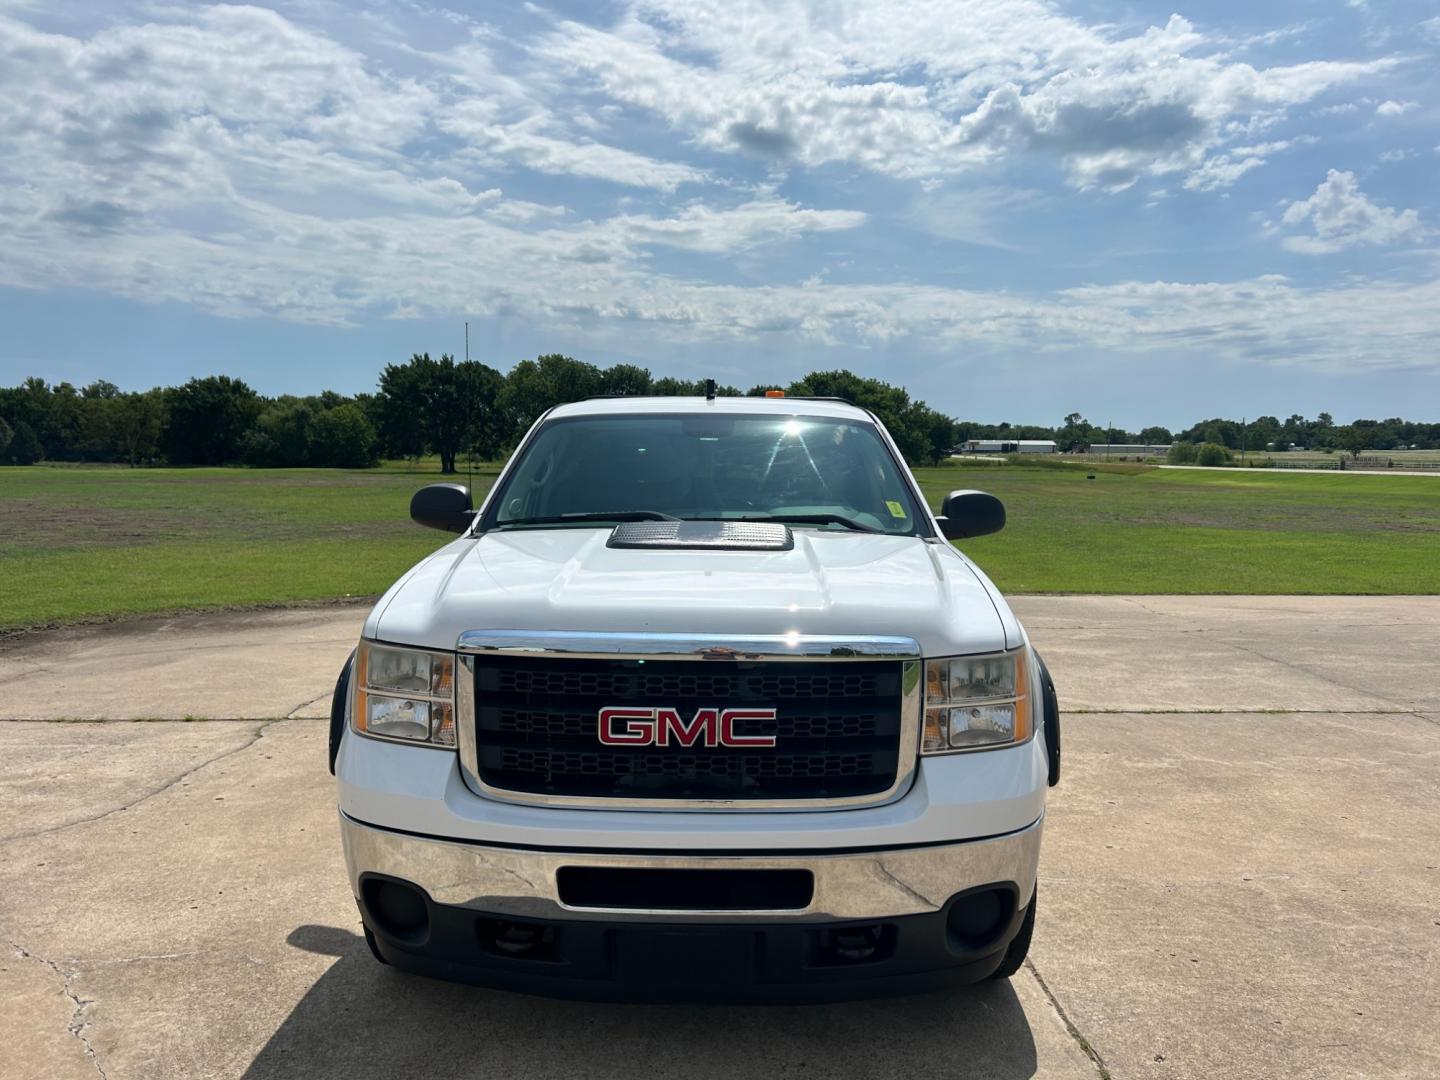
(977, 919)
(397, 909)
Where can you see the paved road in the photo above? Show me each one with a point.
(1241, 873)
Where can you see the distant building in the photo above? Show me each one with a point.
(1130, 449)
(1007, 446)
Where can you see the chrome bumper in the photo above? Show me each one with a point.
(864, 885)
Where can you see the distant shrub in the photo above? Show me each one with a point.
(1181, 453)
(1212, 454)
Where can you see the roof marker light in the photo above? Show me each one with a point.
(774, 393)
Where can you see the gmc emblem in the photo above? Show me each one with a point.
(621, 726)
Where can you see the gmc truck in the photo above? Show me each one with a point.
(701, 704)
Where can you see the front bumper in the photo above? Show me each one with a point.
(902, 904)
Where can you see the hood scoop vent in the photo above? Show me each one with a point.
(720, 535)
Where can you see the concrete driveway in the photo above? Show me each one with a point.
(1241, 872)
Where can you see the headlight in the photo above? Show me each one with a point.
(404, 694)
(976, 702)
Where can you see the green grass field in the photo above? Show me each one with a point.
(1172, 531)
(81, 543)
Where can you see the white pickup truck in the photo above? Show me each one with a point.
(701, 704)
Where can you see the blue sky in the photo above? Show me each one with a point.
(1015, 208)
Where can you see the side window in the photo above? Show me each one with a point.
(525, 494)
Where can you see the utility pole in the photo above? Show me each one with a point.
(1244, 439)
(470, 453)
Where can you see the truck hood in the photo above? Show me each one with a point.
(567, 579)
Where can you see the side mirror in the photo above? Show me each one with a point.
(970, 513)
(443, 506)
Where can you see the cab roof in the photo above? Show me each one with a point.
(787, 406)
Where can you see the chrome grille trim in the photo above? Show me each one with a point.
(716, 647)
(657, 646)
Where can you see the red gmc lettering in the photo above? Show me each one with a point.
(623, 726)
(636, 727)
(706, 722)
(727, 730)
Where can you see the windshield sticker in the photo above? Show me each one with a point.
(896, 510)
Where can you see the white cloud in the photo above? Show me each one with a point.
(593, 280)
(973, 215)
(897, 89)
(492, 144)
(1222, 170)
(1395, 108)
(705, 229)
(1430, 28)
(1342, 216)
(246, 164)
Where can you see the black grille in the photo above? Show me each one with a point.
(837, 727)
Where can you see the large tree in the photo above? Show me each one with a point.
(343, 438)
(923, 435)
(437, 405)
(24, 448)
(207, 419)
(133, 424)
(626, 380)
(533, 386)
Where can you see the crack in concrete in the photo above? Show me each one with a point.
(1147, 608)
(1241, 712)
(312, 701)
(1311, 674)
(143, 958)
(140, 719)
(166, 786)
(1074, 1032)
(36, 668)
(78, 1023)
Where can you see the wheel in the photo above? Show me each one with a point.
(374, 949)
(1015, 954)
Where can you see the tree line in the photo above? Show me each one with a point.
(456, 409)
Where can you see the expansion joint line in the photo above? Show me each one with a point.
(1080, 1039)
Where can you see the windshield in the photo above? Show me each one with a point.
(818, 471)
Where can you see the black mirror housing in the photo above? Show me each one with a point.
(970, 513)
(443, 506)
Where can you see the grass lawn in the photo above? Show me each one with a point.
(81, 543)
(1171, 531)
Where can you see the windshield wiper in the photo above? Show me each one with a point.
(608, 515)
(812, 519)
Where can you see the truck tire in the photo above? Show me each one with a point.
(337, 709)
(374, 949)
(1015, 954)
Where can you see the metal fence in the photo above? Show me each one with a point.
(1339, 464)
